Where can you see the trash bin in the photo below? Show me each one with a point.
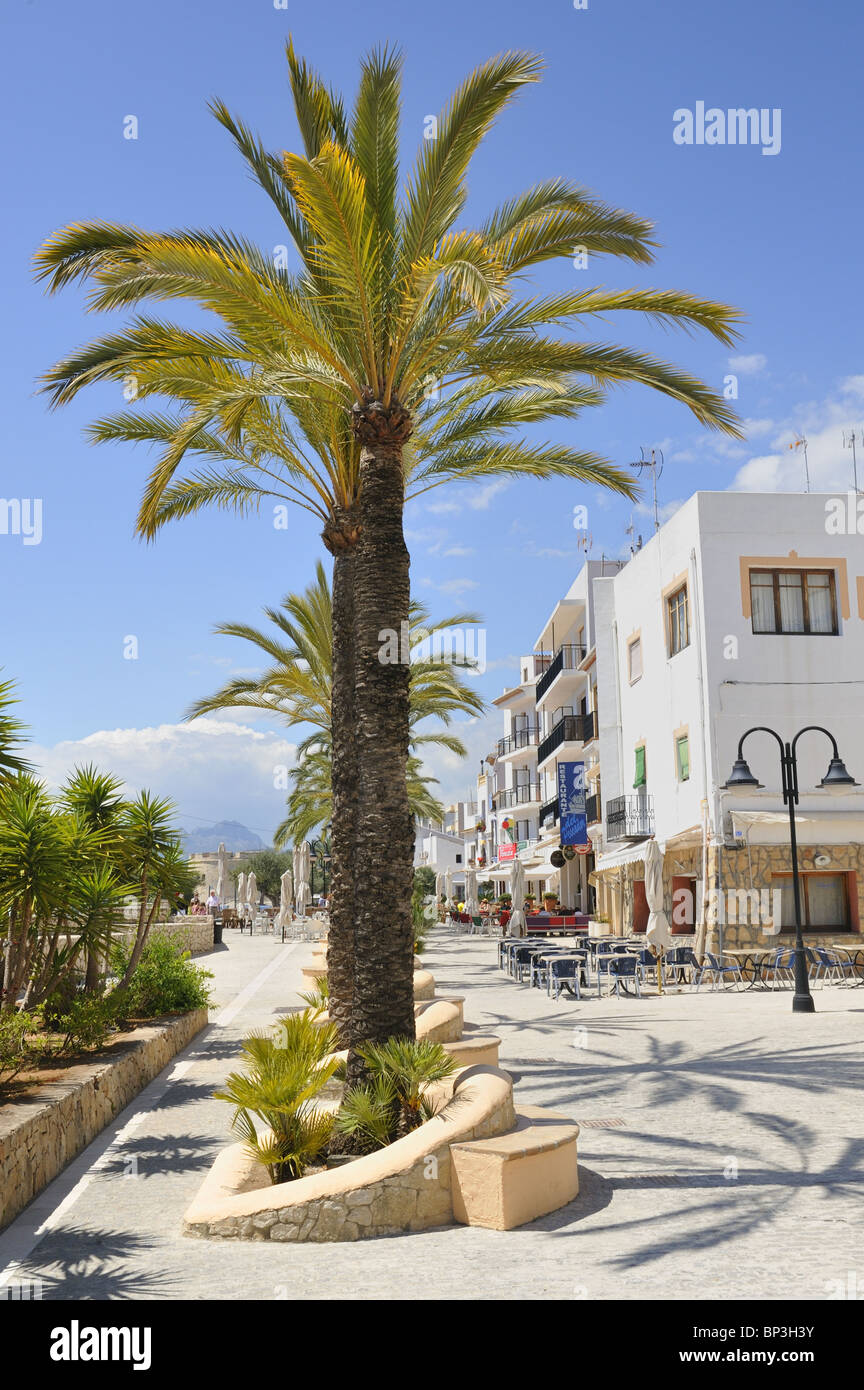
(217, 931)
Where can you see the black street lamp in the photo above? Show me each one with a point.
(836, 776)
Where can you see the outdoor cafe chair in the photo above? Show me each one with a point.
(680, 959)
(714, 968)
(622, 968)
(830, 965)
(781, 967)
(539, 962)
(567, 972)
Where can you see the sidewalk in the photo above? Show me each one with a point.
(720, 1156)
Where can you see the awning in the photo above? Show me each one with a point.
(628, 854)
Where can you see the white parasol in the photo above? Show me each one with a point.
(302, 865)
(516, 926)
(472, 905)
(284, 917)
(252, 893)
(221, 874)
(658, 934)
(448, 890)
(241, 890)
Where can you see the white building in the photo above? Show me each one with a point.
(744, 609)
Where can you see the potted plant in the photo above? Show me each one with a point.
(550, 902)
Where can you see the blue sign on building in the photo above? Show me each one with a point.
(571, 804)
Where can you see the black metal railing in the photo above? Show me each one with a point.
(567, 658)
(573, 728)
(549, 813)
(593, 809)
(630, 818)
(520, 738)
(517, 796)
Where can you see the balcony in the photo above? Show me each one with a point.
(516, 796)
(567, 658)
(630, 818)
(573, 728)
(593, 809)
(549, 814)
(520, 738)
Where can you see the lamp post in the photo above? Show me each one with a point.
(836, 776)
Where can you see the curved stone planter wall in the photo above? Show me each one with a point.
(44, 1131)
(405, 1187)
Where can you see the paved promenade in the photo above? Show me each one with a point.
(721, 1156)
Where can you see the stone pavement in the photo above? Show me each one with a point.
(720, 1156)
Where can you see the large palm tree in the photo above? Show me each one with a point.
(391, 294)
(297, 686)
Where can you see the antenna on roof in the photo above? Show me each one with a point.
(801, 443)
(654, 465)
(850, 439)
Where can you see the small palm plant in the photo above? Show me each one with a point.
(396, 1100)
(319, 997)
(286, 1072)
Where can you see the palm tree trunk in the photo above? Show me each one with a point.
(384, 960)
(343, 776)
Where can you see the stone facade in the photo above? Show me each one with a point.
(736, 870)
(42, 1132)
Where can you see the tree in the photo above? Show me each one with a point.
(12, 733)
(297, 685)
(390, 297)
(154, 860)
(268, 865)
(97, 799)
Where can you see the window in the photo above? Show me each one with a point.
(825, 902)
(640, 779)
(678, 619)
(634, 659)
(793, 601)
(682, 758)
(458, 858)
(523, 828)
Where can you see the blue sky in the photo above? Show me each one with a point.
(777, 235)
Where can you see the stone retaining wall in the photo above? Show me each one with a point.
(41, 1133)
(194, 934)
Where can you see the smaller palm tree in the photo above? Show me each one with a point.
(285, 1074)
(396, 1099)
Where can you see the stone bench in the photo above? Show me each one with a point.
(509, 1179)
(478, 1050)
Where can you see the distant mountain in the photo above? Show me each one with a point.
(207, 839)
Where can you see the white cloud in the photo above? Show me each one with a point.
(460, 550)
(829, 464)
(211, 767)
(456, 586)
(458, 776)
(749, 365)
(478, 500)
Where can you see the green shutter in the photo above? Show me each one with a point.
(683, 758)
(640, 767)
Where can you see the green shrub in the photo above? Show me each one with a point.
(87, 1024)
(165, 981)
(395, 1101)
(286, 1071)
(58, 1004)
(15, 1047)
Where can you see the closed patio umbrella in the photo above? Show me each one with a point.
(657, 934)
(472, 904)
(284, 918)
(252, 893)
(516, 926)
(302, 892)
(221, 875)
(448, 890)
(241, 891)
